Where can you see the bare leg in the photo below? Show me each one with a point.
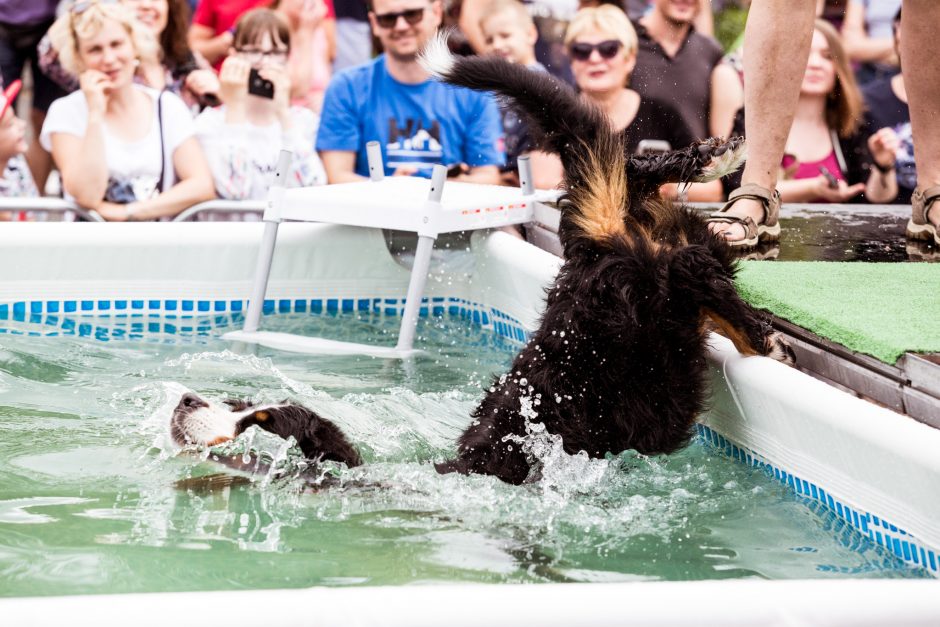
(38, 160)
(777, 38)
(922, 82)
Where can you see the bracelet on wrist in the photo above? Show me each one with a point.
(883, 169)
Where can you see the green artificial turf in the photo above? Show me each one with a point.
(880, 309)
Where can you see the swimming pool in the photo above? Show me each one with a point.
(624, 519)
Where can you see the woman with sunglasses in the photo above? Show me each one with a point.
(244, 136)
(124, 150)
(602, 45)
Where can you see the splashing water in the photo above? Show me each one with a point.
(113, 505)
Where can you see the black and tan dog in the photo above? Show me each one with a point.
(618, 361)
(199, 422)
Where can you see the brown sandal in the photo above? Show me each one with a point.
(919, 227)
(769, 228)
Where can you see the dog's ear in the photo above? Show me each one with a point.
(238, 405)
(324, 440)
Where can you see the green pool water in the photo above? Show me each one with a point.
(91, 499)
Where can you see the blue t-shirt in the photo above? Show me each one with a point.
(416, 125)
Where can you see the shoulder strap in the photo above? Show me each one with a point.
(161, 182)
(837, 149)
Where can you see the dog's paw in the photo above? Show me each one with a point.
(720, 157)
(779, 349)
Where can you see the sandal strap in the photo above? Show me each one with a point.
(769, 201)
(750, 227)
(921, 203)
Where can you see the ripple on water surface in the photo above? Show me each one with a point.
(94, 497)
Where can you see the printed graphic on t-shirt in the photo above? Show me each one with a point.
(413, 145)
(125, 190)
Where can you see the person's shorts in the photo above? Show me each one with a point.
(17, 46)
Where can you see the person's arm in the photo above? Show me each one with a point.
(81, 159)
(311, 18)
(711, 191)
(471, 12)
(340, 166)
(487, 174)
(203, 40)
(727, 96)
(704, 21)
(339, 135)
(858, 45)
(547, 171)
(194, 186)
(809, 190)
(483, 135)
(882, 184)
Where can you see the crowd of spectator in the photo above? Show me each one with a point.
(146, 107)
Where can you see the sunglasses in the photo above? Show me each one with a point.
(607, 49)
(388, 20)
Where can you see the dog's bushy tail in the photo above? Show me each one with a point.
(561, 123)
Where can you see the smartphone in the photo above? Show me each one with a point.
(259, 86)
(653, 147)
(830, 177)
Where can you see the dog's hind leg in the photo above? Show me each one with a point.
(699, 163)
(696, 273)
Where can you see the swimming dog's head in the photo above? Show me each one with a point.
(197, 421)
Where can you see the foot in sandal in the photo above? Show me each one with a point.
(749, 217)
(924, 206)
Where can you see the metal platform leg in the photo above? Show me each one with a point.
(272, 220)
(419, 271)
(525, 175)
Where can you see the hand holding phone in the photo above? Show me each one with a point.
(258, 86)
(830, 177)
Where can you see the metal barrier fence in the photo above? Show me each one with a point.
(49, 205)
(64, 208)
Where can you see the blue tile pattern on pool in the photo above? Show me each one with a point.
(181, 320)
(877, 529)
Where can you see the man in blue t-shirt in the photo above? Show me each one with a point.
(417, 121)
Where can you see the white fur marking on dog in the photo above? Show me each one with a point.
(723, 165)
(206, 425)
(436, 57)
(779, 349)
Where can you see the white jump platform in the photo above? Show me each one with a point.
(424, 207)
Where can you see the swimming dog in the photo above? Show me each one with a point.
(618, 359)
(196, 421)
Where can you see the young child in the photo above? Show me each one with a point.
(244, 136)
(509, 32)
(17, 182)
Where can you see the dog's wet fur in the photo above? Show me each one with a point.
(618, 360)
(198, 422)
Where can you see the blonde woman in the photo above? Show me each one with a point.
(602, 46)
(124, 150)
